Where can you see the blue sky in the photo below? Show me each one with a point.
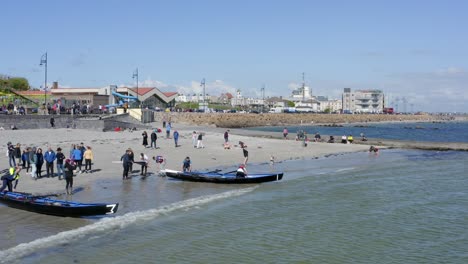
(412, 49)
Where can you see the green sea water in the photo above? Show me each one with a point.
(398, 207)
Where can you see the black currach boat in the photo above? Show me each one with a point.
(45, 205)
(216, 177)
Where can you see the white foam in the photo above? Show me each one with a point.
(345, 169)
(111, 223)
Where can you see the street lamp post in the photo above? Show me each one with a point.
(263, 98)
(135, 75)
(44, 62)
(203, 84)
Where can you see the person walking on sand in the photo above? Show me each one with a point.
(70, 166)
(50, 157)
(285, 133)
(52, 122)
(176, 138)
(168, 130)
(60, 167)
(226, 136)
(194, 139)
(200, 141)
(88, 157)
(154, 137)
(244, 151)
(145, 139)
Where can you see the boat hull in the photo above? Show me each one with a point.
(228, 178)
(49, 206)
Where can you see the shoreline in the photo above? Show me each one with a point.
(108, 147)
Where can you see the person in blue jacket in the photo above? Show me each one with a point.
(176, 138)
(49, 158)
(77, 156)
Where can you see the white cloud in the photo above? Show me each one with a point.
(438, 91)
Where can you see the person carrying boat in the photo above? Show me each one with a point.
(70, 166)
(244, 151)
(127, 161)
(241, 171)
(11, 176)
(144, 164)
(187, 165)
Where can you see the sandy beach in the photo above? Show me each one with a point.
(108, 147)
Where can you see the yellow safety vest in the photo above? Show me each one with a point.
(14, 174)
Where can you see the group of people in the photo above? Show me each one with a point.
(128, 159)
(33, 158)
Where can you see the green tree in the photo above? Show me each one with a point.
(18, 83)
(291, 104)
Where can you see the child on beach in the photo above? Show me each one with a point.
(244, 151)
(160, 162)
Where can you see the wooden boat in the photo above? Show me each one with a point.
(216, 177)
(45, 205)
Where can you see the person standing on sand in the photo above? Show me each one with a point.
(285, 133)
(70, 166)
(18, 152)
(49, 159)
(154, 137)
(24, 158)
(145, 139)
(244, 151)
(200, 141)
(52, 122)
(60, 167)
(39, 162)
(33, 161)
(77, 156)
(11, 154)
(194, 139)
(88, 157)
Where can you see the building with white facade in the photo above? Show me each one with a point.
(362, 101)
(302, 93)
(332, 105)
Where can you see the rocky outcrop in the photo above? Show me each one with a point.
(236, 120)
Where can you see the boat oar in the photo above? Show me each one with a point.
(229, 172)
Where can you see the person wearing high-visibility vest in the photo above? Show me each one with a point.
(11, 176)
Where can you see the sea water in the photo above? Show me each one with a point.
(449, 131)
(401, 206)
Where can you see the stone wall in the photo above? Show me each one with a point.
(237, 120)
(98, 123)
